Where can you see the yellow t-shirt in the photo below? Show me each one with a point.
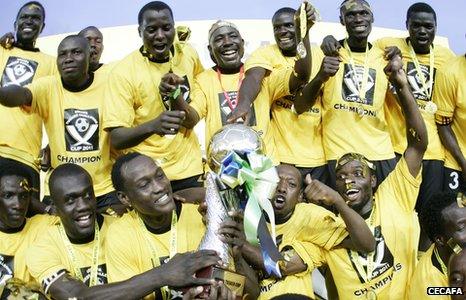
(73, 121)
(13, 248)
(298, 137)
(127, 259)
(210, 102)
(133, 98)
(450, 97)
(309, 229)
(48, 256)
(344, 129)
(426, 275)
(396, 233)
(21, 136)
(393, 113)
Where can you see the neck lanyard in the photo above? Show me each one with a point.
(440, 261)
(427, 88)
(173, 246)
(361, 88)
(74, 260)
(356, 259)
(240, 81)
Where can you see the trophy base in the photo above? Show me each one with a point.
(234, 281)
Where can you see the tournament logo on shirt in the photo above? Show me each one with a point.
(382, 260)
(81, 130)
(18, 71)
(353, 81)
(6, 268)
(101, 274)
(227, 104)
(416, 82)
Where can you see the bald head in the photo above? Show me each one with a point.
(63, 173)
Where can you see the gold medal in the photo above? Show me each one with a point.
(431, 107)
(371, 295)
(301, 49)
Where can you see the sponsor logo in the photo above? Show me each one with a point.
(434, 290)
(18, 71)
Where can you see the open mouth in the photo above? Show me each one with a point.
(279, 202)
(163, 200)
(360, 28)
(28, 29)
(352, 194)
(229, 54)
(160, 47)
(84, 221)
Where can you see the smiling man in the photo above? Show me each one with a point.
(388, 211)
(303, 230)
(138, 115)
(352, 86)
(70, 106)
(419, 55)
(444, 219)
(301, 146)
(215, 90)
(158, 227)
(17, 232)
(69, 258)
(21, 63)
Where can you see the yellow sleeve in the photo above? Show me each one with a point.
(198, 99)
(278, 83)
(311, 254)
(119, 104)
(444, 94)
(43, 259)
(259, 58)
(198, 67)
(40, 90)
(119, 253)
(400, 186)
(324, 229)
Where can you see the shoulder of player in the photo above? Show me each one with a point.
(207, 74)
(125, 223)
(190, 213)
(186, 49)
(383, 42)
(311, 212)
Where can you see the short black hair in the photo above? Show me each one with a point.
(344, 1)
(81, 33)
(117, 179)
(283, 10)
(430, 215)
(9, 167)
(75, 36)
(32, 3)
(420, 7)
(154, 5)
(66, 170)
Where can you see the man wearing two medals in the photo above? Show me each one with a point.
(421, 59)
(154, 233)
(389, 211)
(215, 91)
(69, 259)
(443, 218)
(352, 84)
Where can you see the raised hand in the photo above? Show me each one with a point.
(330, 46)
(169, 83)
(7, 40)
(329, 67)
(169, 122)
(395, 72)
(319, 193)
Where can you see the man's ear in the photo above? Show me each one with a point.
(42, 28)
(373, 181)
(342, 20)
(301, 197)
(123, 198)
(140, 31)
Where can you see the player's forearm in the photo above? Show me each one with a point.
(191, 118)
(305, 99)
(14, 95)
(127, 137)
(135, 288)
(449, 141)
(359, 233)
(302, 68)
(251, 86)
(253, 256)
(416, 130)
(251, 286)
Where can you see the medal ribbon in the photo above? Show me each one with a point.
(74, 260)
(440, 261)
(240, 81)
(367, 275)
(427, 89)
(365, 77)
(173, 247)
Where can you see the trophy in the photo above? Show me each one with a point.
(241, 177)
